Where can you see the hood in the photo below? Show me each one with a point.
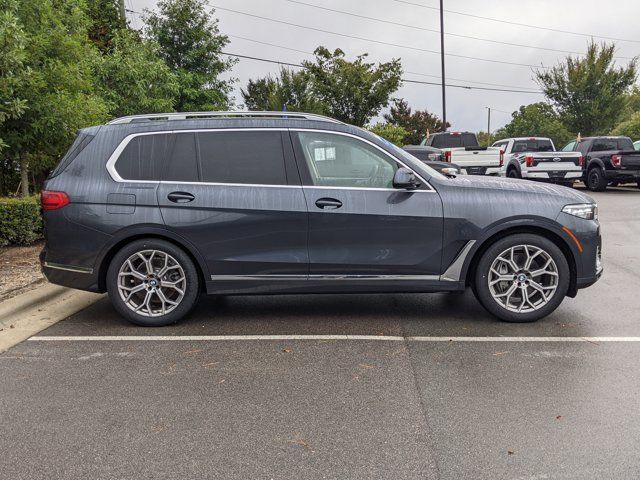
(517, 185)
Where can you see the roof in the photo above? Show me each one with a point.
(215, 115)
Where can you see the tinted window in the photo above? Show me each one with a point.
(142, 158)
(453, 140)
(81, 141)
(182, 164)
(341, 161)
(242, 157)
(532, 146)
(604, 144)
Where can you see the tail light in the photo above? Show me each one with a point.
(447, 156)
(616, 160)
(529, 160)
(581, 161)
(501, 157)
(53, 200)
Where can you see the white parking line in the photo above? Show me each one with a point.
(383, 338)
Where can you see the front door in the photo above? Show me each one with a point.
(359, 225)
(236, 196)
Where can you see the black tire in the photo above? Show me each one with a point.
(481, 278)
(596, 181)
(513, 173)
(191, 283)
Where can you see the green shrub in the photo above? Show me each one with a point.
(390, 132)
(20, 221)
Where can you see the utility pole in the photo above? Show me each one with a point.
(444, 99)
(123, 12)
(488, 126)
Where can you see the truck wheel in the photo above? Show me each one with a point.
(522, 278)
(152, 283)
(513, 173)
(596, 181)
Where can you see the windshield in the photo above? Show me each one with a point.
(606, 144)
(454, 140)
(410, 160)
(532, 146)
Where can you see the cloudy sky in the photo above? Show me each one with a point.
(413, 29)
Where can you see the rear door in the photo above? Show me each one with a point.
(360, 227)
(236, 195)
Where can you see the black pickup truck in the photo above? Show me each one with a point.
(607, 160)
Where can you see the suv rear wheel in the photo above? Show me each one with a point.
(152, 283)
(522, 278)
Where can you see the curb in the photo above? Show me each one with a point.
(29, 313)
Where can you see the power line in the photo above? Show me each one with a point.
(420, 82)
(518, 24)
(410, 73)
(438, 31)
(376, 41)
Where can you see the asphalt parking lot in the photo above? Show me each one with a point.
(389, 387)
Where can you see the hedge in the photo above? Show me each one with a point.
(20, 221)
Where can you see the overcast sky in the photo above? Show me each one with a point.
(465, 108)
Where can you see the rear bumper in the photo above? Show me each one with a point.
(473, 170)
(619, 175)
(553, 175)
(72, 276)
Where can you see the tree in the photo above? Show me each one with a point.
(58, 90)
(629, 128)
(589, 92)
(536, 119)
(191, 45)
(105, 23)
(133, 79)
(354, 92)
(394, 133)
(12, 53)
(290, 89)
(417, 123)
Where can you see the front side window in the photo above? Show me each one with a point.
(341, 161)
(247, 157)
(569, 147)
(142, 158)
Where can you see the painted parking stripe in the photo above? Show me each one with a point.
(379, 338)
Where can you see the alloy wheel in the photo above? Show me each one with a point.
(151, 283)
(523, 278)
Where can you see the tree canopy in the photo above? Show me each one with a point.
(353, 91)
(589, 92)
(537, 119)
(416, 124)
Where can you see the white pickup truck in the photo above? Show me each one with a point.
(463, 149)
(536, 158)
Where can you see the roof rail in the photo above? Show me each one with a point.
(193, 115)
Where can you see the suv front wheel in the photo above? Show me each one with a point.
(522, 278)
(152, 283)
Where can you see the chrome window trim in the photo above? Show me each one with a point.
(115, 176)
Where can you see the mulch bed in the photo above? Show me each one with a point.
(19, 270)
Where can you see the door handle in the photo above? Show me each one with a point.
(180, 197)
(328, 203)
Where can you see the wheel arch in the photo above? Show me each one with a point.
(129, 236)
(470, 268)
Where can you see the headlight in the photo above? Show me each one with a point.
(588, 211)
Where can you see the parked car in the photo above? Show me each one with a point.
(156, 209)
(433, 158)
(535, 158)
(636, 145)
(463, 149)
(608, 160)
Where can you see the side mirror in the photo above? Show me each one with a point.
(405, 178)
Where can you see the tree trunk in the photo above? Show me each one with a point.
(24, 176)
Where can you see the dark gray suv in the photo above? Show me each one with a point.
(157, 209)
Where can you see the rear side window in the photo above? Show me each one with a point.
(182, 163)
(532, 146)
(451, 140)
(81, 141)
(142, 158)
(249, 157)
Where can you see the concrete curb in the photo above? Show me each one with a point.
(27, 314)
